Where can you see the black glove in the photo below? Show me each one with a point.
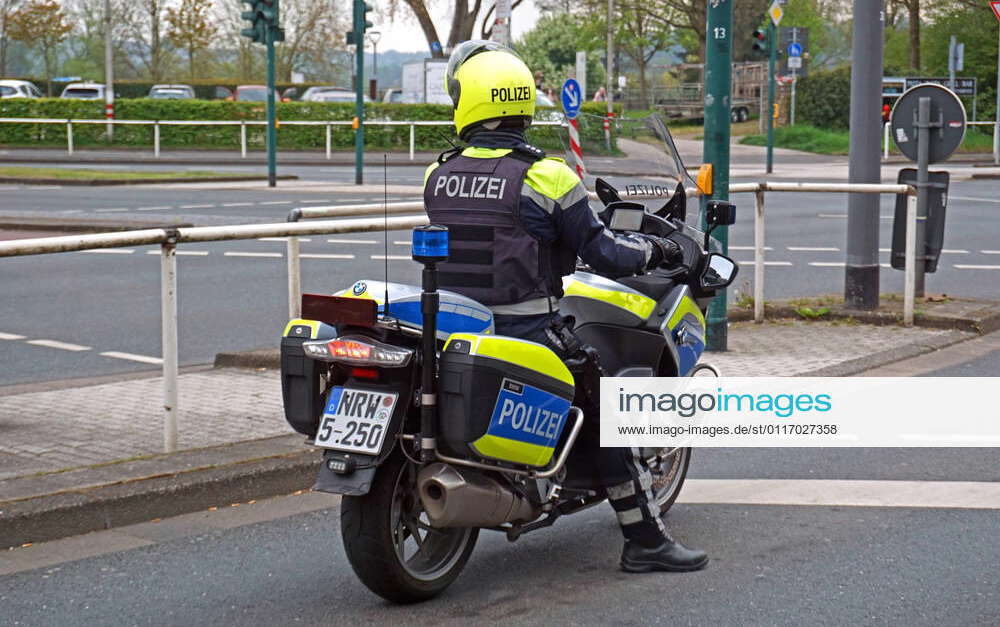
(665, 251)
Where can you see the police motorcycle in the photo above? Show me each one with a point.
(433, 427)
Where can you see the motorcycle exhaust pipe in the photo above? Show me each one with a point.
(464, 498)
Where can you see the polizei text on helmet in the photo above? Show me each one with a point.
(510, 94)
(471, 186)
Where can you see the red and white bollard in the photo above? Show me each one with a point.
(574, 144)
(109, 114)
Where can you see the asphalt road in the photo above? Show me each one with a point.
(60, 312)
(281, 562)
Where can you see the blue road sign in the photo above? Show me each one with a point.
(795, 49)
(572, 98)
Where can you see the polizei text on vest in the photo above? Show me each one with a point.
(471, 186)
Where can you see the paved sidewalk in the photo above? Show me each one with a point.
(84, 458)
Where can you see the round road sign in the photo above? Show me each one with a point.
(947, 119)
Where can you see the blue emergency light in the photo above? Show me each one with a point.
(430, 244)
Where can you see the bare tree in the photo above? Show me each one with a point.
(88, 40)
(247, 56)
(912, 8)
(148, 36)
(190, 28)
(312, 29)
(7, 9)
(41, 23)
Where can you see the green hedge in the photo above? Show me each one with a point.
(823, 99)
(228, 137)
(203, 88)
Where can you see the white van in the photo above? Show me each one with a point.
(84, 91)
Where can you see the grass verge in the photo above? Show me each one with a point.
(80, 174)
(830, 142)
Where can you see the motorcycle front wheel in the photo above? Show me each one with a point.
(390, 543)
(669, 470)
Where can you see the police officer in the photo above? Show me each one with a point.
(518, 221)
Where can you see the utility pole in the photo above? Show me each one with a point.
(109, 72)
(861, 277)
(718, 88)
(610, 74)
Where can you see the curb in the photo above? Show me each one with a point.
(892, 355)
(122, 501)
(149, 181)
(259, 358)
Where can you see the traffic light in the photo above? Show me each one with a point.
(263, 16)
(356, 37)
(760, 42)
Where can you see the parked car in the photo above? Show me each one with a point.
(312, 94)
(84, 91)
(19, 89)
(250, 93)
(171, 92)
(336, 95)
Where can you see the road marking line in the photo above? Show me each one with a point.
(110, 251)
(885, 250)
(281, 239)
(241, 254)
(325, 256)
(766, 263)
(60, 345)
(827, 264)
(162, 208)
(237, 204)
(843, 216)
(748, 248)
(133, 357)
(196, 206)
(955, 251)
(11, 336)
(814, 249)
(315, 200)
(337, 240)
(961, 266)
(834, 493)
(110, 210)
(398, 257)
(187, 253)
(276, 202)
(403, 243)
(973, 198)
(990, 252)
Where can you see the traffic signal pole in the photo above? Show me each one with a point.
(359, 103)
(772, 61)
(718, 88)
(272, 131)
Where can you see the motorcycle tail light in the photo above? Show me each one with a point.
(358, 351)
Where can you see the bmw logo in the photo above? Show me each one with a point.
(360, 288)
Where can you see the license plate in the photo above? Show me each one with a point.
(355, 420)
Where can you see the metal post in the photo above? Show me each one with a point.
(168, 321)
(272, 132)
(791, 113)
(609, 67)
(243, 139)
(359, 93)
(718, 86)
(772, 59)
(69, 137)
(758, 257)
(951, 63)
(156, 138)
(885, 141)
(294, 278)
(996, 114)
(412, 140)
(909, 286)
(109, 72)
(923, 158)
(329, 141)
(861, 274)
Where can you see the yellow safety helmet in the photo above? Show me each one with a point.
(487, 81)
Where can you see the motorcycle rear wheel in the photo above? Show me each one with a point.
(668, 477)
(390, 544)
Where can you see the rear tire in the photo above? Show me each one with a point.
(389, 543)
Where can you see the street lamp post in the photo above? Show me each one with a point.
(374, 37)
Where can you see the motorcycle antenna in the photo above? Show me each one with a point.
(385, 231)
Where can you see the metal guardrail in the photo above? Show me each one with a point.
(996, 138)
(170, 238)
(243, 124)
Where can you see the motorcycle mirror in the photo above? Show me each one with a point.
(606, 192)
(719, 272)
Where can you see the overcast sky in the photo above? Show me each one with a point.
(405, 34)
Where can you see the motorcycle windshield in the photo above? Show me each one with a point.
(643, 163)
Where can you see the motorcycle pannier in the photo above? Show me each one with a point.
(502, 398)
